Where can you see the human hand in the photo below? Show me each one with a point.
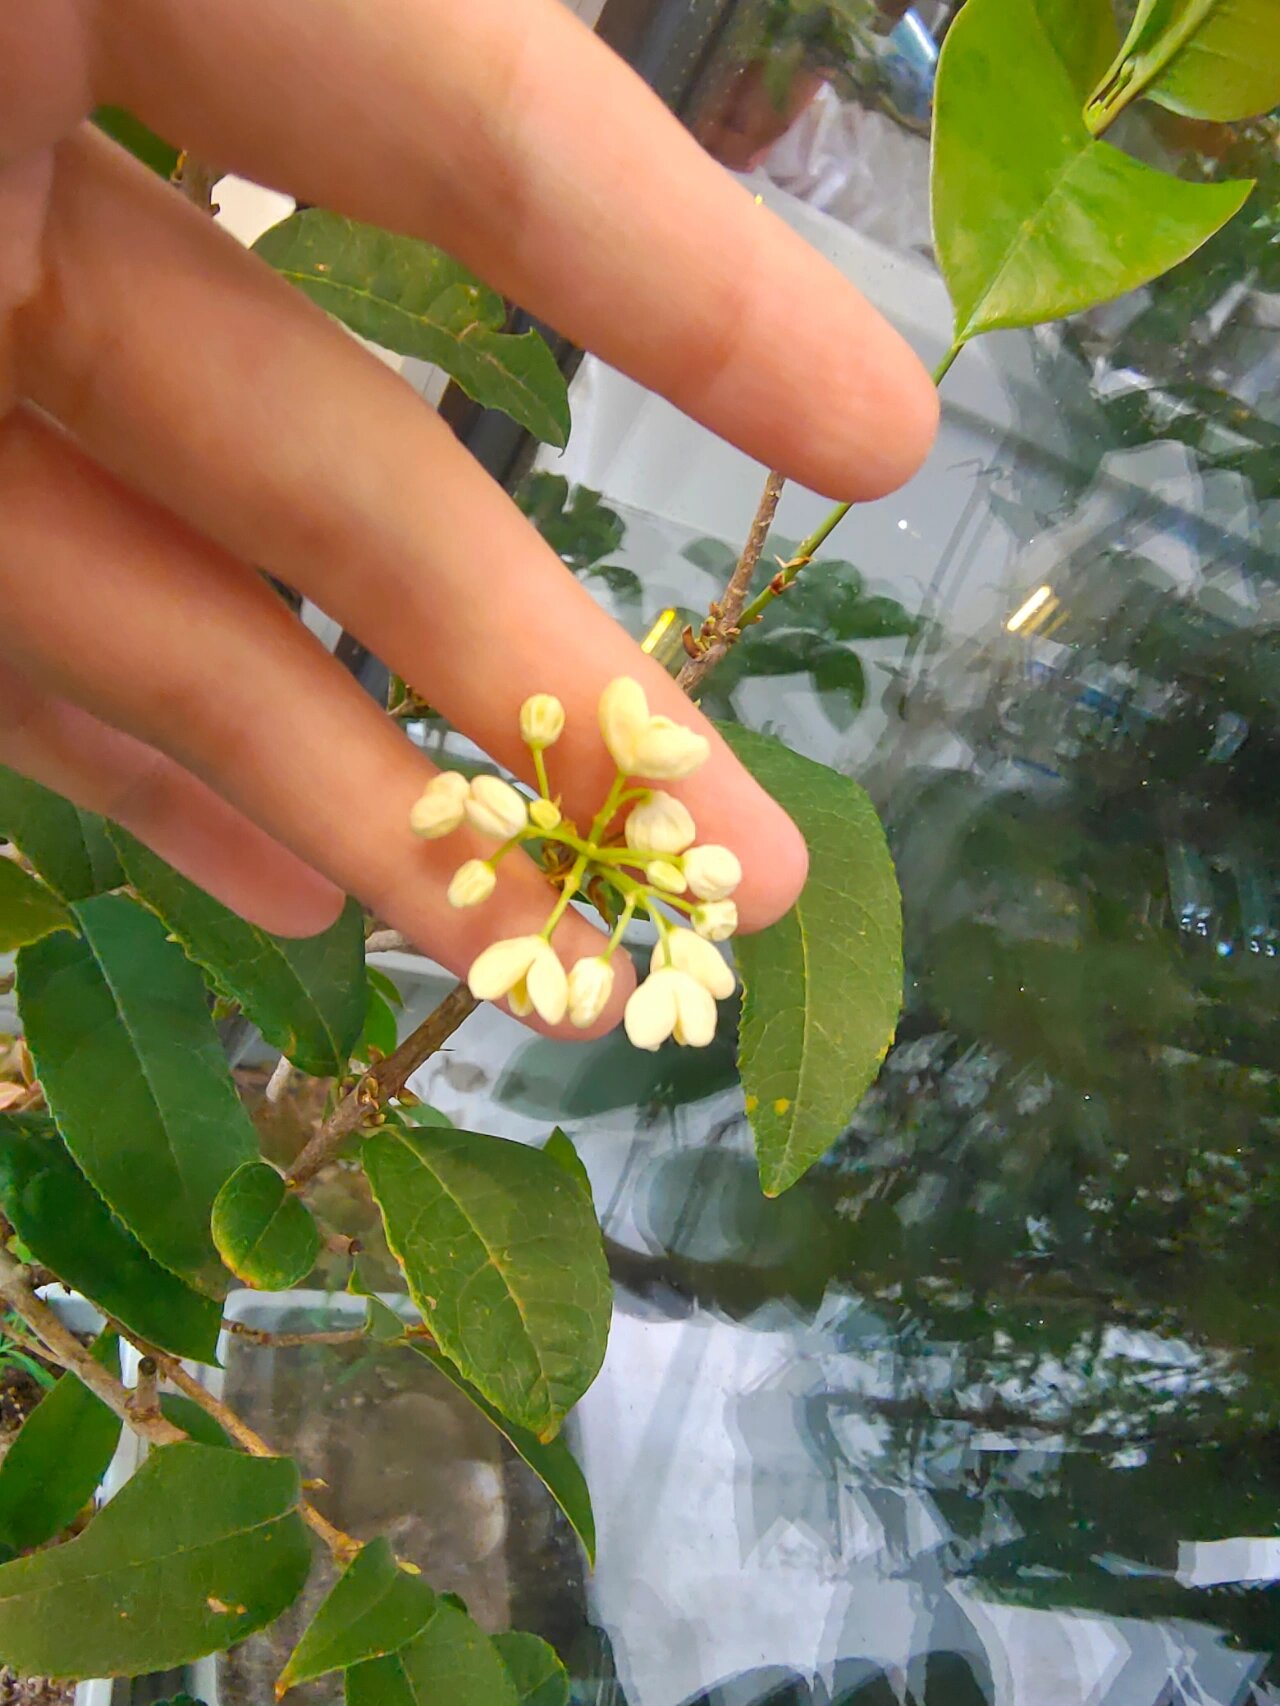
(173, 417)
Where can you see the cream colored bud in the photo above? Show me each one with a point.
(660, 824)
(670, 1003)
(527, 970)
(623, 712)
(548, 986)
(650, 1013)
(713, 872)
(666, 751)
(664, 875)
(495, 808)
(644, 745)
(693, 954)
(541, 720)
(496, 972)
(544, 814)
(715, 919)
(472, 883)
(590, 986)
(439, 811)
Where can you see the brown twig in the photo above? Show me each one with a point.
(144, 1401)
(343, 1546)
(720, 629)
(387, 942)
(339, 1336)
(15, 1288)
(196, 179)
(360, 1106)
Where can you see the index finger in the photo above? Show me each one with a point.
(515, 139)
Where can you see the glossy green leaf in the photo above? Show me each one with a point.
(381, 1323)
(194, 1420)
(28, 910)
(66, 1225)
(143, 144)
(559, 1146)
(452, 1663)
(414, 299)
(305, 994)
(551, 1460)
(823, 986)
(134, 1074)
(380, 1030)
(1032, 217)
(535, 1670)
(373, 1609)
(264, 1233)
(68, 847)
(1207, 59)
(62, 1451)
(197, 1550)
(504, 1261)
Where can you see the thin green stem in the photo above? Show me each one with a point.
(624, 918)
(612, 800)
(540, 771)
(571, 885)
(944, 366)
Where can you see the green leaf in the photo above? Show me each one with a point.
(1207, 59)
(380, 1031)
(62, 1451)
(66, 1225)
(823, 986)
(134, 1074)
(836, 670)
(68, 847)
(504, 1261)
(264, 1233)
(535, 1669)
(551, 1460)
(143, 144)
(414, 299)
(374, 1608)
(200, 1548)
(452, 1663)
(386, 986)
(28, 910)
(186, 1414)
(305, 994)
(1032, 217)
(381, 1323)
(559, 1146)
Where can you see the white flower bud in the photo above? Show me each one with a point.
(590, 986)
(495, 808)
(642, 744)
(692, 954)
(623, 712)
(496, 972)
(545, 814)
(472, 883)
(547, 986)
(541, 720)
(660, 824)
(440, 809)
(650, 1013)
(666, 751)
(527, 970)
(713, 872)
(715, 919)
(664, 875)
(670, 1003)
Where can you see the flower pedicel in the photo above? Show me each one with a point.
(654, 859)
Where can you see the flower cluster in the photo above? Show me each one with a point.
(650, 865)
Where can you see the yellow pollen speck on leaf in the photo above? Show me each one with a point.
(782, 1104)
(752, 1103)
